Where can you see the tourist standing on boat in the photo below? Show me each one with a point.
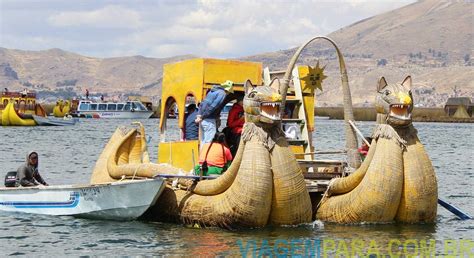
(87, 93)
(215, 157)
(235, 123)
(28, 174)
(192, 128)
(210, 109)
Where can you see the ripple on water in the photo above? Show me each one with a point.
(50, 242)
(460, 196)
(89, 245)
(14, 237)
(17, 253)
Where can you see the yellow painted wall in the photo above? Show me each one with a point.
(180, 155)
(217, 71)
(195, 76)
(179, 80)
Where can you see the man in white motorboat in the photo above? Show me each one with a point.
(28, 174)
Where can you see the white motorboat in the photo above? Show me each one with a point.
(121, 200)
(54, 121)
(129, 109)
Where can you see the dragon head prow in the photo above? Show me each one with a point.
(262, 103)
(394, 102)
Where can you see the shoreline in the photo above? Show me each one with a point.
(368, 114)
(435, 115)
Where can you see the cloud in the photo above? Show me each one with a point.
(111, 16)
(199, 18)
(375, 7)
(228, 29)
(168, 50)
(220, 45)
(221, 29)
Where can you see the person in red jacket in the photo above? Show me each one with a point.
(235, 122)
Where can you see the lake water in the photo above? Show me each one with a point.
(68, 155)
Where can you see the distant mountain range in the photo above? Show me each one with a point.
(431, 40)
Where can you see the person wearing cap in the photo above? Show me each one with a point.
(210, 109)
(28, 174)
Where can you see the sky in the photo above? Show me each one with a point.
(153, 28)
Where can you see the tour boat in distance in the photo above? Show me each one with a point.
(128, 109)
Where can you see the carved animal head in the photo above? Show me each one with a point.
(262, 103)
(395, 102)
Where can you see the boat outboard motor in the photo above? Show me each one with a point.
(10, 179)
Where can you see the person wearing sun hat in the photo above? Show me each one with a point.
(210, 109)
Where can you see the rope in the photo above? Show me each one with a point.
(135, 173)
(326, 193)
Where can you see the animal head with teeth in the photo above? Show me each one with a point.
(395, 102)
(262, 103)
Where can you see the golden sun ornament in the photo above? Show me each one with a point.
(315, 77)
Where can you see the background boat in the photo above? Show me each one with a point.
(128, 109)
(16, 108)
(53, 121)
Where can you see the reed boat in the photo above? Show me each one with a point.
(275, 177)
(11, 117)
(122, 200)
(16, 108)
(62, 108)
(122, 154)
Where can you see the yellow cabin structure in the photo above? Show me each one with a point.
(191, 79)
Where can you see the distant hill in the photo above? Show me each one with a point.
(63, 72)
(430, 40)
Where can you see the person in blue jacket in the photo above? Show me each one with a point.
(210, 109)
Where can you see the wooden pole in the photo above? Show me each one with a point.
(359, 133)
(455, 210)
(324, 152)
